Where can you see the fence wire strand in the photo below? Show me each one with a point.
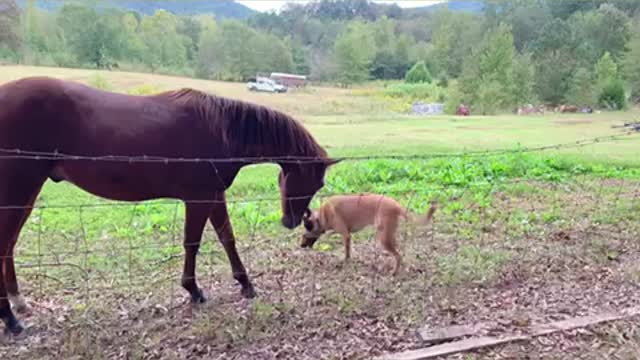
(40, 155)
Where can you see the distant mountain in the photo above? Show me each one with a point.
(472, 6)
(228, 9)
(468, 6)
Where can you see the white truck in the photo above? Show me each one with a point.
(265, 84)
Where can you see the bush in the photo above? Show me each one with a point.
(454, 99)
(613, 95)
(421, 92)
(489, 99)
(400, 97)
(100, 82)
(8, 56)
(418, 74)
(64, 59)
(581, 89)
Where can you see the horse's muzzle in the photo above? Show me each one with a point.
(291, 222)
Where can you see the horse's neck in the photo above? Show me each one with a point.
(267, 152)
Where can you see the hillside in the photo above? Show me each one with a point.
(220, 8)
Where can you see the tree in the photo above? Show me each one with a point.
(35, 39)
(454, 36)
(611, 93)
(606, 70)
(190, 28)
(553, 73)
(527, 21)
(383, 65)
(234, 51)
(230, 54)
(524, 75)
(9, 22)
(269, 54)
(555, 61)
(205, 58)
(565, 8)
(554, 35)
(95, 38)
(354, 51)
(631, 65)
(488, 78)
(134, 47)
(581, 90)
(269, 22)
(606, 29)
(418, 74)
(164, 46)
(300, 63)
(612, 96)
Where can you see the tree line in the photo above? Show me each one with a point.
(512, 53)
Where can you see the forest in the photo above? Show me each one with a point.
(494, 57)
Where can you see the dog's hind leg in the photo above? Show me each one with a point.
(387, 237)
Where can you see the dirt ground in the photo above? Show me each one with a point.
(527, 258)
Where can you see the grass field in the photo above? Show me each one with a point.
(563, 221)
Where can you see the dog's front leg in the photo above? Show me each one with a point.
(346, 240)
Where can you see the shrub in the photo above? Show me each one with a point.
(613, 95)
(490, 98)
(418, 74)
(454, 99)
(400, 97)
(8, 55)
(422, 92)
(100, 82)
(581, 89)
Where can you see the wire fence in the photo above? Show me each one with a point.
(38, 155)
(100, 250)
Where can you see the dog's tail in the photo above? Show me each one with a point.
(422, 219)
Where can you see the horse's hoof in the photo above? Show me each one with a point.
(198, 297)
(14, 329)
(248, 292)
(19, 304)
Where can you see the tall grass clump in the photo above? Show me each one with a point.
(400, 97)
(100, 82)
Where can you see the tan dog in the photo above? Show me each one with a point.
(347, 214)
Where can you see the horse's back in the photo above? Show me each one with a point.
(27, 109)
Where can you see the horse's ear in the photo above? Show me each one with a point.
(331, 162)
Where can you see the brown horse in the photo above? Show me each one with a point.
(184, 145)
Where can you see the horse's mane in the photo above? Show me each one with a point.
(249, 126)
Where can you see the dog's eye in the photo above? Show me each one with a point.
(308, 225)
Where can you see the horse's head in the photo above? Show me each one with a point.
(298, 183)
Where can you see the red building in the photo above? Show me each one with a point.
(289, 80)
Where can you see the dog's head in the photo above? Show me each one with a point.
(313, 229)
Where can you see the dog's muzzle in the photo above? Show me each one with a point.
(308, 240)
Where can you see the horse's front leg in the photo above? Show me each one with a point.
(196, 218)
(220, 220)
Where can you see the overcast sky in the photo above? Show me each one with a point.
(266, 5)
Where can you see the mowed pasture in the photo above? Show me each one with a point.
(520, 237)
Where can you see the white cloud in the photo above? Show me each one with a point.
(266, 5)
